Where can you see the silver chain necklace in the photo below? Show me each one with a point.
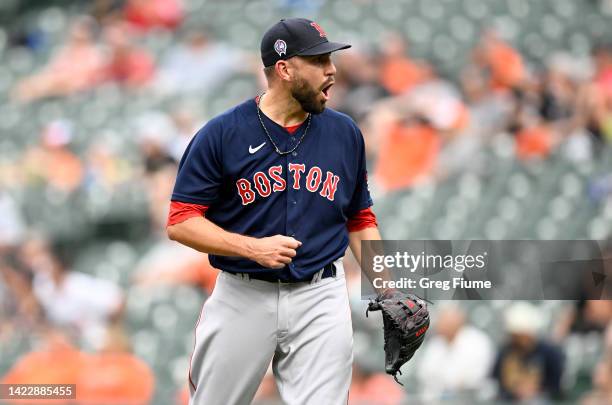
(268, 134)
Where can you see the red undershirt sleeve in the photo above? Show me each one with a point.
(180, 212)
(361, 220)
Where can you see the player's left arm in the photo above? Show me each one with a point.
(363, 227)
(355, 238)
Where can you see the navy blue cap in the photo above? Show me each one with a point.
(295, 36)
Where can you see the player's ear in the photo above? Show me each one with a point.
(283, 70)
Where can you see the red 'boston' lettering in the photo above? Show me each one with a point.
(271, 180)
(330, 185)
(313, 180)
(245, 191)
(297, 169)
(262, 184)
(279, 183)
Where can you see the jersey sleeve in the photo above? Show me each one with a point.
(200, 171)
(362, 220)
(361, 196)
(181, 212)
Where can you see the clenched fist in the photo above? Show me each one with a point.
(275, 251)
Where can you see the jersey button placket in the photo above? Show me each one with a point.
(292, 196)
(292, 142)
(291, 201)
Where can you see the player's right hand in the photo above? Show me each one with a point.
(274, 252)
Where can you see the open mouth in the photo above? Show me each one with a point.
(325, 91)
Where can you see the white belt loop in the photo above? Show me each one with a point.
(318, 276)
(339, 264)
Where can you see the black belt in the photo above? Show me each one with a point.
(329, 270)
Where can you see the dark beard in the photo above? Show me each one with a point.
(307, 97)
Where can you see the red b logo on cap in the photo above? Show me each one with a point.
(318, 28)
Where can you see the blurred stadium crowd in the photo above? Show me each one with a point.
(482, 120)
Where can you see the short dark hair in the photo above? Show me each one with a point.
(269, 72)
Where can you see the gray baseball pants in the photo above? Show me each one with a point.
(303, 328)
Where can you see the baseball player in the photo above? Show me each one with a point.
(275, 189)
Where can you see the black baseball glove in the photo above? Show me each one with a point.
(405, 321)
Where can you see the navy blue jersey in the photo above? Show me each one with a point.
(231, 166)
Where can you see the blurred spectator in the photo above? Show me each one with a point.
(581, 329)
(186, 126)
(598, 102)
(159, 189)
(182, 395)
(398, 72)
(62, 76)
(409, 132)
(12, 224)
(111, 376)
(528, 368)
(104, 167)
(52, 162)
(558, 93)
(489, 111)
(114, 376)
(105, 10)
(126, 64)
(198, 65)
(169, 264)
(608, 338)
(154, 131)
(439, 101)
(465, 352)
(503, 64)
(534, 142)
(602, 384)
(19, 310)
(145, 15)
(357, 90)
(602, 54)
(370, 387)
(534, 137)
(55, 361)
(407, 154)
(76, 301)
(585, 317)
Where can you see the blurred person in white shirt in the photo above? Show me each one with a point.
(601, 392)
(12, 223)
(457, 360)
(79, 302)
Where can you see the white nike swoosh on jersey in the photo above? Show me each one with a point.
(253, 150)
